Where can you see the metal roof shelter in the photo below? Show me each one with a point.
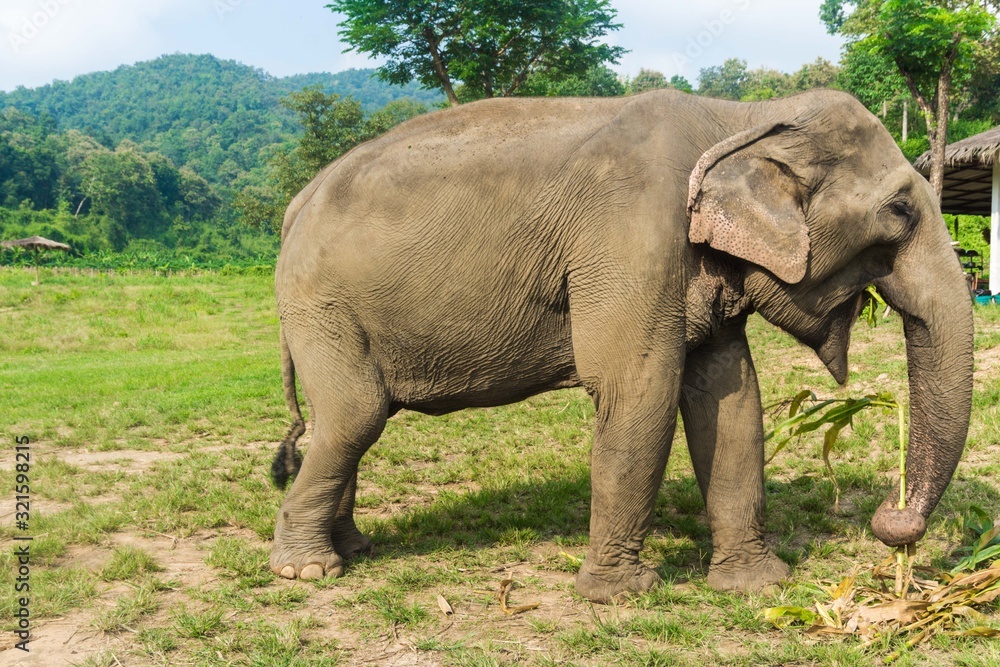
(972, 184)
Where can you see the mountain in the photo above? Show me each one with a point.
(214, 116)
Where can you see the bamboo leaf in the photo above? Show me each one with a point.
(875, 295)
(829, 440)
(797, 401)
(975, 558)
(979, 631)
(782, 617)
(989, 536)
(845, 586)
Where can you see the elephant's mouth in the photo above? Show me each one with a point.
(832, 351)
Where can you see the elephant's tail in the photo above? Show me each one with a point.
(288, 460)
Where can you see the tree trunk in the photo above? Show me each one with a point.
(936, 126)
(906, 119)
(441, 68)
(449, 92)
(939, 142)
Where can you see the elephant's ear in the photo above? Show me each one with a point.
(744, 200)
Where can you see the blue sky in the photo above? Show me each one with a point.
(42, 40)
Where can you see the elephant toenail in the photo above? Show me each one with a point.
(288, 572)
(311, 571)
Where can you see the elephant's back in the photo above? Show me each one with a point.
(489, 152)
(455, 183)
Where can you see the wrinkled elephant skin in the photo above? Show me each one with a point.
(482, 254)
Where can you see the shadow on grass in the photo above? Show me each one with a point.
(801, 517)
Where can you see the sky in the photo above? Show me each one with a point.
(43, 40)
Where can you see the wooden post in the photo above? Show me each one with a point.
(995, 229)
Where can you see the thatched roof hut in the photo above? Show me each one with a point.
(36, 244)
(972, 185)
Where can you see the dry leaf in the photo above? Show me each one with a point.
(903, 612)
(444, 606)
(846, 586)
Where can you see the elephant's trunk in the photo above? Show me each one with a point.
(927, 286)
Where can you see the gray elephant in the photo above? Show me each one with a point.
(479, 255)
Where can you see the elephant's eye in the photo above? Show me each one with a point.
(902, 209)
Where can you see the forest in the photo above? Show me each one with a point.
(147, 159)
(188, 161)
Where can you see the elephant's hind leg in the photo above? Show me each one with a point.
(348, 541)
(315, 530)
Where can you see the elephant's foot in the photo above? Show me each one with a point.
(607, 584)
(757, 570)
(295, 564)
(351, 542)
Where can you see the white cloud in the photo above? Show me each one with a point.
(684, 37)
(45, 39)
(41, 40)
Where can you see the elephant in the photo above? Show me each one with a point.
(479, 255)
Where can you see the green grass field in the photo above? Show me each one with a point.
(154, 405)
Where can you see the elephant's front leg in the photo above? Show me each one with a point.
(720, 403)
(635, 426)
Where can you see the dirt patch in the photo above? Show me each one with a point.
(39, 505)
(63, 641)
(72, 638)
(987, 365)
(129, 460)
(132, 460)
(181, 559)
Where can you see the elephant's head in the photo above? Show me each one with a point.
(819, 202)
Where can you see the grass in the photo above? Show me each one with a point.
(154, 405)
(126, 562)
(128, 609)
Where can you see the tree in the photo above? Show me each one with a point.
(727, 81)
(765, 84)
(678, 82)
(122, 185)
(598, 81)
(492, 46)
(870, 77)
(932, 44)
(984, 87)
(651, 79)
(647, 79)
(819, 74)
(332, 125)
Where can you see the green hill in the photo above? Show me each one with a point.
(149, 158)
(213, 116)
